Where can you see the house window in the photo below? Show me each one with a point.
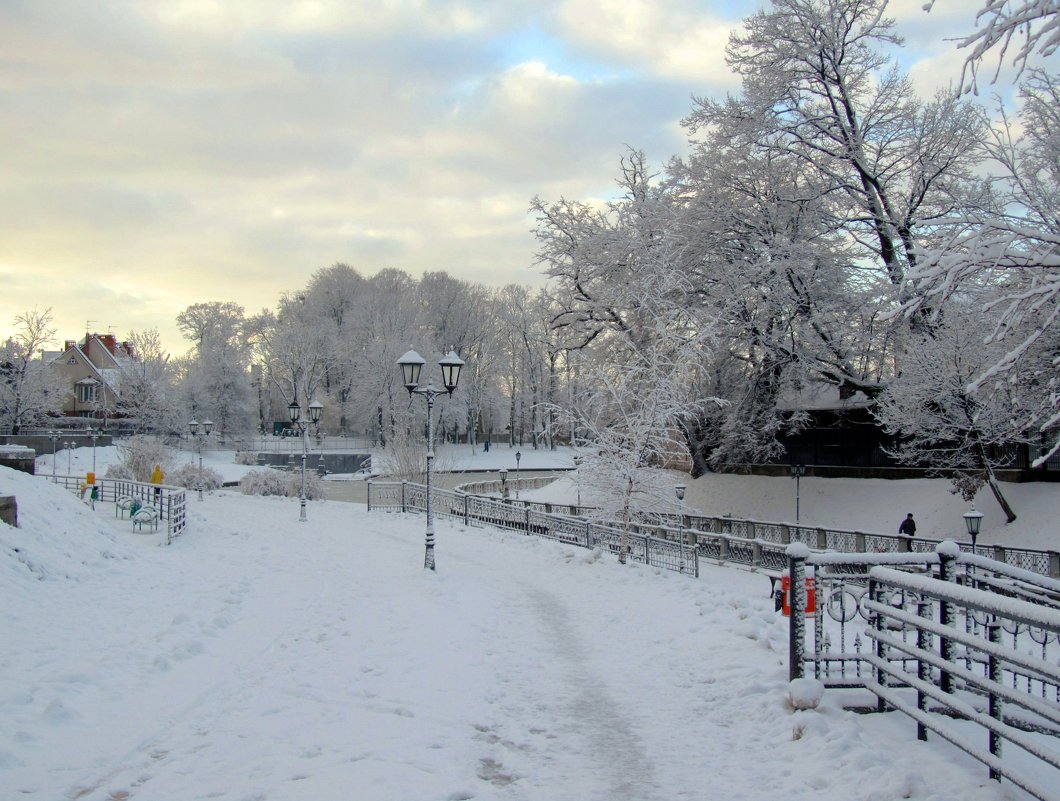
(87, 393)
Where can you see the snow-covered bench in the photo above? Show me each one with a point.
(123, 506)
(145, 516)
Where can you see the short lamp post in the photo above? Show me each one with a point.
(411, 366)
(69, 457)
(504, 483)
(200, 431)
(797, 472)
(972, 522)
(295, 412)
(93, 434)
(518, 456)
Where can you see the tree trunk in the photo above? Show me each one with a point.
(991, 480)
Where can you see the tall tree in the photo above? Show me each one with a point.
(147, 390)
(28, 389)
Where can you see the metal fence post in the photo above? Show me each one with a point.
(797, 554)
(923, 669)
(404, 493)
(467, 518)
(369, 495)
(876, 594)
(1054, 565)
(993, 632)
(948, 552)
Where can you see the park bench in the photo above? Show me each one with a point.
(145, 516)
(123, 506)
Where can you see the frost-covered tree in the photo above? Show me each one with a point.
(632, 419)
(940, 423)
(1011, 258)
(1016, 28)
(819, 86)
(29, 390)
(216, 373)
(148, 396)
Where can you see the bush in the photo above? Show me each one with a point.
(246, 457)
(119, 472)
(139, 455)
(282, 483)
(187, 475)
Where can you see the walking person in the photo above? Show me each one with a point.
(908, 526)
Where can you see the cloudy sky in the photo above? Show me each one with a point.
(159, 154)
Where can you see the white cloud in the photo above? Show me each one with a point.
(673, 38)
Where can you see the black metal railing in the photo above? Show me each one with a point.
(170, 502)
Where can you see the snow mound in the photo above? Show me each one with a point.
(58, 537)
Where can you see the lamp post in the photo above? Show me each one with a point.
(69, 457)
(411, 365)
(193, 426)
(504, 483)
(53, 435)
(518, 456)
(797, 472)
(296, 417)
(578, 480)
(972, 521)
(93, 434)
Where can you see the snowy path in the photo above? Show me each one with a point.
(257, 659)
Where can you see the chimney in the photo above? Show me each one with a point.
(68, 344)
(110, 342)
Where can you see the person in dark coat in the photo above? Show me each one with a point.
(908, 526)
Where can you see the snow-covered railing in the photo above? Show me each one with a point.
(669, 552)
(954, 628)
(170, 501)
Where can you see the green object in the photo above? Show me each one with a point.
(134, 507)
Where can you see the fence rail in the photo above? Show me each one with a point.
(657, 546)
(953, 636)
(171, 502)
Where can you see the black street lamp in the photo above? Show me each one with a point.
(972, 521)
(93, 434)
(411, 365)
(518, 456)
(797, 472)
(200, 436)
(53, 435)
(504, 483)
(69, 457)
(295, 412)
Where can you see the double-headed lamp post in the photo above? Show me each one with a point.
(193, 427)
(411, 365)
(93, 434)
(295, 412)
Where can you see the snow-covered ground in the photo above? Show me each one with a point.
(260, 658)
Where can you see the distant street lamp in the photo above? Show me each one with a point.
(69, 457)
(578, 480)
(296, 418)
(972, 521)
(93, 434)
(193, 426)
(411, 365)
(797, 472)
(53, 435)
(518, 456)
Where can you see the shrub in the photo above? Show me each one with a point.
(282, 483)
(187, 475)
(139, 455)
(246, 457)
